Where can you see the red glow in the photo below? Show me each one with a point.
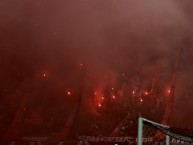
(99, 105)
(102, 98)
(69, 93)
(146, 93)
(169, 91)
(114, 97)
(95, 93)
(133, 92)
(141, 100)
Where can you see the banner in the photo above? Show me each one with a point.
(92, 140)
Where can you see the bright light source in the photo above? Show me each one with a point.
(99, 105)
(69, 93)
(114, 97)
(102, 98)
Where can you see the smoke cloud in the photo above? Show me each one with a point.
(50, 47)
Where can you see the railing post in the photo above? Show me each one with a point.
(167, 140)
(140, 131)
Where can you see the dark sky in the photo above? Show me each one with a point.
(109, 37)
